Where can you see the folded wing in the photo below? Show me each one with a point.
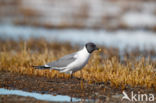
(59, 64)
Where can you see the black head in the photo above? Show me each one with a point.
(91, 47)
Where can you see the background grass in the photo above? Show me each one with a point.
(135, 68)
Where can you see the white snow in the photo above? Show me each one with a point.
(134, 19)
(138, 14)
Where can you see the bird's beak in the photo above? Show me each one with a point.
(97, 48)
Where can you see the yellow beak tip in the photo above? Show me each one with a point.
(100, 49)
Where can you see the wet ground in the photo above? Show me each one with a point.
(19, 99)
(101, 92)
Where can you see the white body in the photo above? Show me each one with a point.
(82, 57)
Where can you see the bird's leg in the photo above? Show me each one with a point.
(81, 77)
(71, 75)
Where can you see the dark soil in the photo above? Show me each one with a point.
(71, 87)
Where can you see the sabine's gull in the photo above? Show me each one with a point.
(72, 62)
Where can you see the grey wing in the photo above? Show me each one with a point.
(62, 62)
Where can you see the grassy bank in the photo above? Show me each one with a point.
(105, 66)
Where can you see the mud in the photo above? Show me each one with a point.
(72, 87)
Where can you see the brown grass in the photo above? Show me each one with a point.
(105, 66)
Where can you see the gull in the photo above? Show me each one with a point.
(72, 62)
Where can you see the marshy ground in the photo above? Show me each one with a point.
(108, 72)
(105, 76)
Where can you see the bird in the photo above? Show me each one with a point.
(72, 62)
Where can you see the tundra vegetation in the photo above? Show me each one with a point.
(134, 69)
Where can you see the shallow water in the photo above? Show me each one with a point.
(39, 96)
(122, 39)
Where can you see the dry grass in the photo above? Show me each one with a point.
(105, 66)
